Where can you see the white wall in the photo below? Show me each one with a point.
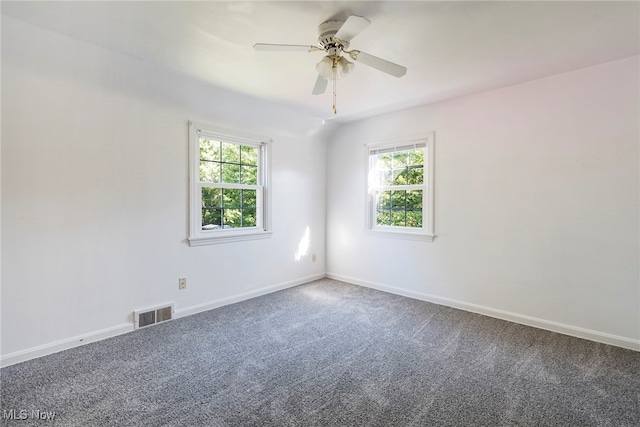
(537, 215)
(95, 193)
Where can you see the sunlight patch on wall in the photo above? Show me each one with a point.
(303, 246)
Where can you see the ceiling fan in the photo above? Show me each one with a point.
(334, 38)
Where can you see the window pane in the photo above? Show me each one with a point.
(414, 219)
(414, 199)
(400, 159)
(399, 208)
(231, 198)
(249, 155)
(415, 175)
(228, 208)
(248, 199)
(249, 174)
(209, 171)
(232, 218)
(249, 217)
(211, 198)
(416, 157)
(230, 153)
(398, 199)
(211, 208)
(209, 149)
(385, 177)
(383, 217)
(398, 218)
(384, 200)
(228, 163)
(384, 161)
(400, 168)
(209, 160)
(211, 218)
(231, 173)
(400, 176)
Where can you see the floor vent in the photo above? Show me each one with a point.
(153, 315)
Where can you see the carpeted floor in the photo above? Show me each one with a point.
(331, 354)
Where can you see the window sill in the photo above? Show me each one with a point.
(401, 234)
(228, 237)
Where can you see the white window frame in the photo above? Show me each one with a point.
(427, 231)
(262, 230)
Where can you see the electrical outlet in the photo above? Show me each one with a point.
(182, 283)
(313, 258)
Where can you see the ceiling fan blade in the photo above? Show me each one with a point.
(320, 86)
(268, 47)
(380, 64)
(352, 27)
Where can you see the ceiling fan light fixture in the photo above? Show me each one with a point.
(334, 38)
(345, 66)
(326, 67)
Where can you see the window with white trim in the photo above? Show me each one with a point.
(229, 186)
(400, 191)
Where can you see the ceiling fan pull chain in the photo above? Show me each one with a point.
(335, 112)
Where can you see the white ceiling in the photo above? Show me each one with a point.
(450, 48)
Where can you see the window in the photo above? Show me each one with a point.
(229, 179)
(400, 188)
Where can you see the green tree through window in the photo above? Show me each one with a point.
(229, 186)
(231, 170)
(399, 176)
(400, 188)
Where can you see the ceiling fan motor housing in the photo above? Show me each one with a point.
(326, 31)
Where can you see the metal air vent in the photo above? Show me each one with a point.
(153, 315)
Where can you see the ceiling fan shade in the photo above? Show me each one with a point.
(326, 67)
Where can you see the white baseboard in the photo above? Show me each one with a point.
(68, 343)
(65, 344)
(602, 337)
(194, 309)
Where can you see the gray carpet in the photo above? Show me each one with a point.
(332, 354)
